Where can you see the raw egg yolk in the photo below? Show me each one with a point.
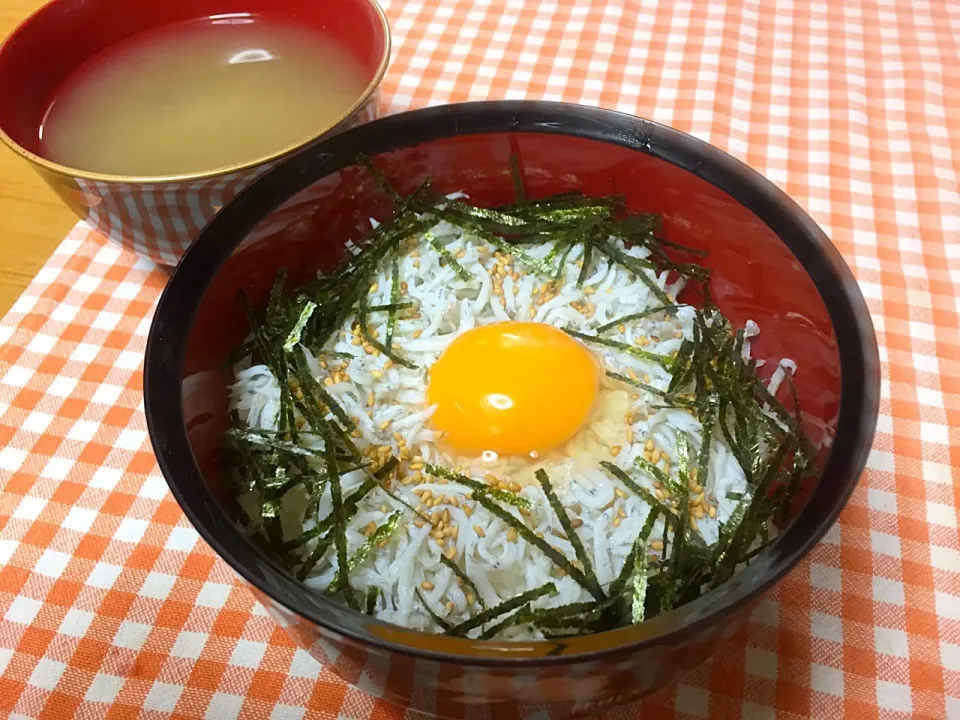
(513, 388)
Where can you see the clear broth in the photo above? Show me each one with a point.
(200, 95)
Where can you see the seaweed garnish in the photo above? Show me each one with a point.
(570, 532)
(444, 625)
(708, 377)
(464, 578)
(504, 496)
(546, 548)
(506, 606)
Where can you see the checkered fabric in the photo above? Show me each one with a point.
(112, 607)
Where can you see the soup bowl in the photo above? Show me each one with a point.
(770, 263)
(158, 217)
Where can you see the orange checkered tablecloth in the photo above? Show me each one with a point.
(112, 607)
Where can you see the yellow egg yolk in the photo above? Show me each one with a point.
(513, 388)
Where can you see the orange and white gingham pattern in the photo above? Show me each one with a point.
(112, 607)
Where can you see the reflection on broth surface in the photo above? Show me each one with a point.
(200, 95)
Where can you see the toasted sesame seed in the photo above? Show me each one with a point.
(439, 541)
(616, 521)
(385, 424)
(419, 523)
(712, 512)
(467, 510)
(452, 552)
(427, 585)
(479, 531)
(615, 450)
(515, 487)
(512, 534)
(576, 522)
(657, 545)
(621, 513)
(648, 445)
(619, 493)
(693, 524)
(470, 599)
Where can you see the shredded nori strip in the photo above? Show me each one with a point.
(293, 339)
(463, 577)
(503, 496)
(636, 316)
(673, 485)
(339, 528)
(622, 347)
(618, 585)
(546, 548)
(370, 606)
(394, 294)
(669, 589)
(365, 331)
(638, 489)
(639, 586)
(389, 307)
(309, 385)
(570, 532)
(586, 259)
(379, 535)
(444, 625)
(448, 257)
(521, 616)
(506, 606)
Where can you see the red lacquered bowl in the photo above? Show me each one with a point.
(158, 217)
(770, 262)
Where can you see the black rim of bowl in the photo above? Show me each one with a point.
(845, 304)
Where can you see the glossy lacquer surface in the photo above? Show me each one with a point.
(771, 264)
(158, 217)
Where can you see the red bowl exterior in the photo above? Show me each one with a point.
(158, 217)
(771, 264)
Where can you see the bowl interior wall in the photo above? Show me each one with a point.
(755, 276)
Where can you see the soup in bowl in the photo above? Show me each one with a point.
(147, 119)
(512, 403)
